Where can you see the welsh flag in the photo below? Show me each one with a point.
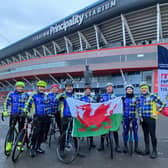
(94, 119)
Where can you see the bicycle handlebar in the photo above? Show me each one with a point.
(20, 115)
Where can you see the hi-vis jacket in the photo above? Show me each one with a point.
(63, 105)
(40, 101)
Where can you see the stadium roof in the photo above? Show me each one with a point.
(95, 13)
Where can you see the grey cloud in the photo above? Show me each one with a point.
(21, 18)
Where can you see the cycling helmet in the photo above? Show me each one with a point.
(20, 83)
(109, 84)
(54, 86)
(41, 83)
(129, 86)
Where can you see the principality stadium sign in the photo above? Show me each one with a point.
(76, 20)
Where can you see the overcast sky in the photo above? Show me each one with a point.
(20, 18)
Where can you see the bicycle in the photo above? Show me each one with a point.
(67, 147)
(53, 129)
(10, 136)
(23, 138)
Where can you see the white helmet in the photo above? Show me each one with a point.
(129, 86)
(109, 84)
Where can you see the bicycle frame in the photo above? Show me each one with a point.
(68, 130)
(25, 128)
(131, 136)
(131, 129)
(52, 129)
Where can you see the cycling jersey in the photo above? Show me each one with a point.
(17, 102)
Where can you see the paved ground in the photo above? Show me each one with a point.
(94, 158)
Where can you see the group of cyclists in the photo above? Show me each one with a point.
(142, 109)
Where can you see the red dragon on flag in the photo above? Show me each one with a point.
(100, 116)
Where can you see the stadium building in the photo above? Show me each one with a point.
(118, 39)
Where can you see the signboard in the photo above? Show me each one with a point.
(163, 76)
(163, 85)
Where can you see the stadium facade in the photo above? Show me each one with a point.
(112, 36)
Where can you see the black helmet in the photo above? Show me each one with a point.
(68, 83)
(87, 87)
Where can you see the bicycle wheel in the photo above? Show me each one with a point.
(67, 148)
(18, 145)
(11, 134)
(130, 143)
(111, 145)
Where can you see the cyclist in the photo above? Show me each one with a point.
(149, 107)
(54, 104)
(40, 101)
(106, 97)
(130, 107)
(16, 100)
(63, 106)
(89, 99)
(64, 109)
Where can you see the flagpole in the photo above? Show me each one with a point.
(123, 77)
